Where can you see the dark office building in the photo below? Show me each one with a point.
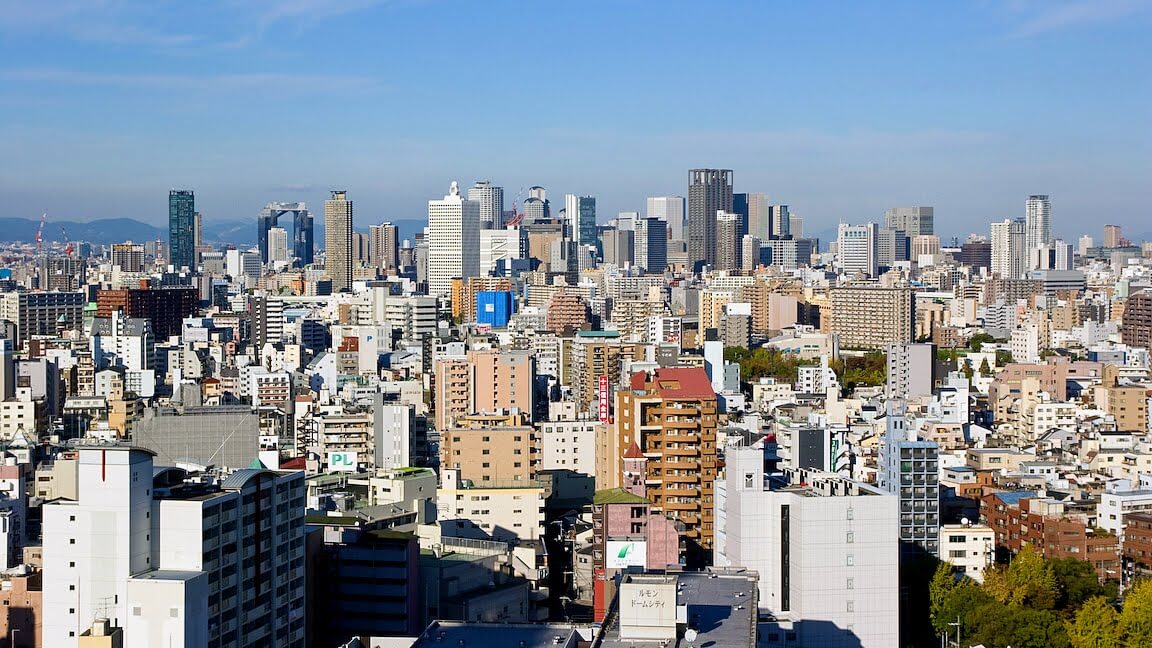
(976, 254)
(165, 307)
(181, 228)
(709, 191)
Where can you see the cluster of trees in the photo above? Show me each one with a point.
(759, 362)
(1033, 602)
(868, 370)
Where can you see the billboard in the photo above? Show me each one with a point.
(621, 554)
(342, 461)
(604, 396)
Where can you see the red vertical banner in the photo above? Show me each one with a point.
(605, 406)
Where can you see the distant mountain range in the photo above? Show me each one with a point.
(106, 231)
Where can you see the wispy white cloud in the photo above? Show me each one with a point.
(261, 81)
(1045, 16)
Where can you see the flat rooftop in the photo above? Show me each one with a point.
(452, 634)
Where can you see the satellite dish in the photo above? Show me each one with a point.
(690, 635)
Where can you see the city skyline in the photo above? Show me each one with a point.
(843, 105)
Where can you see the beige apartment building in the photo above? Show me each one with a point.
(484, 382)
(491, 450)
(872, 318)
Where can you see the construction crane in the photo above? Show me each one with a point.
(517, 215)
(40, 234)
(68, 249)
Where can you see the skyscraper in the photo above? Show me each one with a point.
(651, 245)
(491, 199)
(453, 241)
(727, 247)
(181, 228)
(1009, 254)
(780, 222)
(338, 241)
(1038, 222)
(856, 249)
(759, 217)
(302, 225)
(913, 221)
(671, 210)
(709, 192)
(277, 245)
(1112, 236)
(385, 245)
(581, 214)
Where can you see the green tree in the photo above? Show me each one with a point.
(1135, 623)
(985, 370)
(1094, 626)
(939, 588)
(1026, 581)
(1019, 627)
(977, 342)
(1003, 357)
(1077, 582)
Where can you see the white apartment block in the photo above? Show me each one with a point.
(505, 514)
(825, 547)
(568, 445)
(175, 563)
(970, 548)
(1114, 506)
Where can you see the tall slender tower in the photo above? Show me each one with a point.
(670, 209)
(581, 213)
(1009, 253)
(1038, 222)
(491, 199)
(338, 241)
(385, 245)
(727, 241)
(182, 228)
(453, 241)
(709, 192)
(651, 237)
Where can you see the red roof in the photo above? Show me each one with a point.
(676, 382)
(633, 452)
(298, 463)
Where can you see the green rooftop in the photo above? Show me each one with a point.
(617, 496)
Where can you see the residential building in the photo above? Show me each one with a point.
(909, 469)
(727, 254)
(872, 318)
(1009, 248)
(911, 370)
(42, 313)
(1038, 222)
(338, 241)
(969, 548)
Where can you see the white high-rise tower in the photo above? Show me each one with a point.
(1009, 253)
(1038, 219)
(453, 241)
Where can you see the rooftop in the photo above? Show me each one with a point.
(496, 635)
(617, 496)
(676, 382)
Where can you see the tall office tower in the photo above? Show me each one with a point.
(795, 225)
(1112, 236)
(1009, 250)
(385, 245)
(856, 249)
(651, 236)
(301, 230)
(491, 199)
(891, 246)
(277, 245)
(727, 241)
(749, 252)
(181, 226)
(540, 196)
(759, 216)
(913, 221)
(581, 214)
(671, 210)
(908, 469)
(453, 241)
(779, 222)
(197, 233)
(170, 559)
(338, 241)
(535, 210)
(740, 207)
(709, 192)
(1038, 222)
(129, 257)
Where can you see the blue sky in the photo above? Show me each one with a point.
(839, 109)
